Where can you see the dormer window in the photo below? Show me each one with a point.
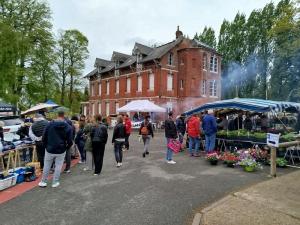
(117, 72)
(170, 58)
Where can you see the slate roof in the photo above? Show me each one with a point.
(108, 68)
(118, 56)
(131, 60)
(145, 50)
(101, 62)
(159, 51)
(92, 73)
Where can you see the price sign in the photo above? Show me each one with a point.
(273, 139)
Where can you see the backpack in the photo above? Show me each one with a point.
(144, 130)
(96, 134)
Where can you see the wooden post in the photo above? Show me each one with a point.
(273, 162)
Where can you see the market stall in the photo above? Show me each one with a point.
(265, 116)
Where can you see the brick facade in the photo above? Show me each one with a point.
(188, 76)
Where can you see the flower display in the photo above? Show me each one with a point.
(212, 156)
(250, 164)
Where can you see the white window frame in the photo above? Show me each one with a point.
(213, 64)
(107, 87)
(139, 83)
(170, 79)
(99, 108)
(93, 109)
(117, 87)
(92, 89)
(117, 106)
(151, 82)
(128, 84)
(107, 108)
(99, 88)
(171, 59)
(213, 86)
(204, 87)
(181, 84)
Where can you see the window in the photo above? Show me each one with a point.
(213, 88)
(107, 108)
(107, 87)
(204, 61)
(85, 110)
(181, 84)
(170, 58)
(204, 87)
(117, 73)
(99, 108)
(139, 84)
(93, 109)
(99, 88)
(170, 82)
(214, 64)
(117, 86)
(194, 63)
(117, 106)
(128, 85)
(151, 82)
(92, 90)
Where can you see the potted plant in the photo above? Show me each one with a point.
(213, 158)
(230, 159)
(281, 162)
(249, 164)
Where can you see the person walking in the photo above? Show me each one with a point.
(80, 141)
(88, 144)
(99, 139)
(193, 129)
(146, 131)
(181, 128)
(118, 140)
(57, 139)
(209, 126)
(68, 156)
(128, 128)
(36, 132)
(170, 133)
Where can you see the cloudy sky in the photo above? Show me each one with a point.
(117, 24)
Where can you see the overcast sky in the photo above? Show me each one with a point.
(117, 24)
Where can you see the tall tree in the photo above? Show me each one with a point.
(207, 36)
(71, 54)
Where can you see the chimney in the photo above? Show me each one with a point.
(178, 33)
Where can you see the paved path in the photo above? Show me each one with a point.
(143, 191)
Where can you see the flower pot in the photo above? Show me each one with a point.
(249, 168)
(230, 164)
(213, 162)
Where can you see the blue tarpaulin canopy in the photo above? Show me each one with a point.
(248, 104)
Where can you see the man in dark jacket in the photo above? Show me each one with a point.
(170, 133)
(209, 126)
(57, 139)
(36, 132)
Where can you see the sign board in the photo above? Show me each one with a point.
(273, 139)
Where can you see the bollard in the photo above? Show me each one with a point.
(273, 162)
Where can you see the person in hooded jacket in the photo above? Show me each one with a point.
(57, 139)
(193, 130)
(118, 140)
(181, 127)
(170, 133)
(146, 132)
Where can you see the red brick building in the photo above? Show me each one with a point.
(178, 75)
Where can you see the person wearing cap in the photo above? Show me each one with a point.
(193, 130)
(36, 134)
(57, 138)
(209, 126)
(170, 133)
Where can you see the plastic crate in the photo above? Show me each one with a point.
(8, 182)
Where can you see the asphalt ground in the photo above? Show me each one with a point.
(143, 191)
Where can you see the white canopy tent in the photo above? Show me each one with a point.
(141, 106)
(38, 107)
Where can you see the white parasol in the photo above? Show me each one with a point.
(38, 107)
(141, 106)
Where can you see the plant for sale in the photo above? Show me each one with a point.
(212, 156)
(281, 162)
(250, 164)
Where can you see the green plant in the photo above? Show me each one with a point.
(282, 162)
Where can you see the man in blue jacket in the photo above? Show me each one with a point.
(209, 126)
(57, 139)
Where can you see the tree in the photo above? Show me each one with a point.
(207, 36)
(71, 54)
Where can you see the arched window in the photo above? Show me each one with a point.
(170, 58)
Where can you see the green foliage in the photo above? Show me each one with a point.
(207, 36)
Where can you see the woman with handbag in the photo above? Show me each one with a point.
(170, 133)
(146, 131)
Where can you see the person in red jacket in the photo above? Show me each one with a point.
(128, 128)
(193, 130)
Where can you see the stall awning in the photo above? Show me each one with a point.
(248, 104)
